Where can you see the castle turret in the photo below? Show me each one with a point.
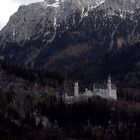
(76, 90)
(109, 85)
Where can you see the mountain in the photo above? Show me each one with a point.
(125, 5)
(87, 39)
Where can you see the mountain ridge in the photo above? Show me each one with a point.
(40, 35)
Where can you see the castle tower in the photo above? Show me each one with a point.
(76, 90)
(109, 85)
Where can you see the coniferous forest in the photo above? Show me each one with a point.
(43, 115)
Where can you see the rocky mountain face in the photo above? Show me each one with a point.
(80, 37)
(125, 5)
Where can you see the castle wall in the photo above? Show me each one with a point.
(114, 94)
(107, 93)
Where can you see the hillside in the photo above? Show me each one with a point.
(85, 40)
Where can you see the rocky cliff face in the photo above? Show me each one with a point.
(63, 34)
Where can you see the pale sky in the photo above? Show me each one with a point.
(8, 7)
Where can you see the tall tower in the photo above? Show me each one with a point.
(76, 90)
(109, 85)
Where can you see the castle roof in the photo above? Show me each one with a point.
(104, 86)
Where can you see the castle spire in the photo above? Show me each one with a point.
(109, 84)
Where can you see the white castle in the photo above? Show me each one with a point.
(108, 92)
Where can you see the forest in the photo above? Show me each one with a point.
(46, 116)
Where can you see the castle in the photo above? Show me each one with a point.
(108, 92)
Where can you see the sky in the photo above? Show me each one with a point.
(9, 7)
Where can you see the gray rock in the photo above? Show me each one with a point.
(32, 32)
